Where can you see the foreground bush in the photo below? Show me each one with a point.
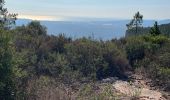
(37, 58)
(96, 59)
(7, 84)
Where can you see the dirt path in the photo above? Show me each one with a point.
(139, 88)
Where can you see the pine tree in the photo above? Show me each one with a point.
(136, 22)
(155, 29)
(7, 87)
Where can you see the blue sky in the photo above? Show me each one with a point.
(83, 9)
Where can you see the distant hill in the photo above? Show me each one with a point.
(164, 28)
(105, 29)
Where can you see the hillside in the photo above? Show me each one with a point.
(78, 50)
(42, 66)
(164, 28)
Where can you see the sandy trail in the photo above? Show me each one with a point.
(133, 91)
(138, 88)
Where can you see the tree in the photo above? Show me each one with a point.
(136, 22)
(7, 86)
(6, 19)
(36, 28)
(155, 29)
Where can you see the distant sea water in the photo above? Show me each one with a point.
(105, 30)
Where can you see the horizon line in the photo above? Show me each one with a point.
(71, 18)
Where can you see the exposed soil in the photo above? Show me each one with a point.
(139, 88)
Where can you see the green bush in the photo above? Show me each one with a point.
(7, 84)
(96, 59)
(135, 49)
(159, 39)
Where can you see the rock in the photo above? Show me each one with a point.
(153, 95)
(110, 80)
(124, 98)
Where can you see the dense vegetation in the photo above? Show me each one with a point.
(32, 63)
(164, 28)
(28, 54)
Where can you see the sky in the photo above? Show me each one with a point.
(61, 10)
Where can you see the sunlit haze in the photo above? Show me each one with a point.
(68, 9)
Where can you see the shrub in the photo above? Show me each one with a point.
(7, 84)
(160, 39)
(96, 59)
(135, 49)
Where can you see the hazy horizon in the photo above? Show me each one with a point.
(82, 19)
(67, 10)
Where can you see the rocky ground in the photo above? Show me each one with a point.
(140, 88)
(141, 93)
